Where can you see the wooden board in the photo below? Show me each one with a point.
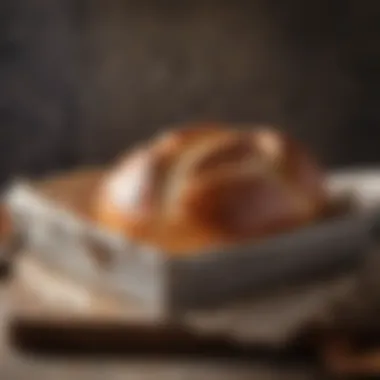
(33, 295)
(16, 365)
(59, 236)
(273, 319)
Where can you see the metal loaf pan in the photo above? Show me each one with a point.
(170, 286)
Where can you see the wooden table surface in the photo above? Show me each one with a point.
(15, 365)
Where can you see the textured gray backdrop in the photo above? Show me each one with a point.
(81, 80)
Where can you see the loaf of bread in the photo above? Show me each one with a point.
(205, 186)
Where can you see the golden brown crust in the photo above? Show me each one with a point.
(209, 185)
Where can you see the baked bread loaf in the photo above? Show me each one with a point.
(210, 185)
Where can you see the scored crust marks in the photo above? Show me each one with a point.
(149, 178)
(219, 182)
(270, 142)
(243, 207)
(237, 189)
(129, 187)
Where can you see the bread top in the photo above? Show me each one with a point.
(207, 185)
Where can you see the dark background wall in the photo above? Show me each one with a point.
(81, 80)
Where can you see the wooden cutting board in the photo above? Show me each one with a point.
(15, 365)
(272, 319)
(36, 298)
(39, 301)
